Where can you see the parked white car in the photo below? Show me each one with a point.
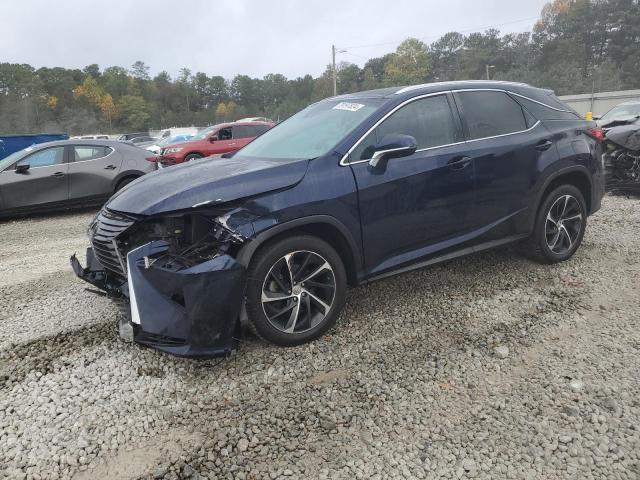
(172, 132)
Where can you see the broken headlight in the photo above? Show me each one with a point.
(192, 238)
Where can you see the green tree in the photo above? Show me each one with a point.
(140, 70)
(133, 112)
(408, 65)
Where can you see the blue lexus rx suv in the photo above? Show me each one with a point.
(351, 189)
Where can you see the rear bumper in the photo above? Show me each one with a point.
(193, 312)
(597, 191)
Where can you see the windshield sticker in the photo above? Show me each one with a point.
(350, 107)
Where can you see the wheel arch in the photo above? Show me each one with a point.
(577, 176)
(123, 176)
(325, 227)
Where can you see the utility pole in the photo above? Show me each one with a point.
(333, 70)
(488, 67)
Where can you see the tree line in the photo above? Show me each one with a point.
(575, 47)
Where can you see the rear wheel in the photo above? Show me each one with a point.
(124, 182)
(296, 290)
(192, 156)
(560, 225)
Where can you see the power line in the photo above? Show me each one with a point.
(437, 36)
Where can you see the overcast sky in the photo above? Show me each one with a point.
(227, 37)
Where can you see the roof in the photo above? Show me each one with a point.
(389, 92)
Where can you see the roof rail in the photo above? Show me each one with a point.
(456, 82)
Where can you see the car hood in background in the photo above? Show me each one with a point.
(205, 181)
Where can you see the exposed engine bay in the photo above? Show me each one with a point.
(622, 156)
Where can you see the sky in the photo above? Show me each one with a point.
(229, 37)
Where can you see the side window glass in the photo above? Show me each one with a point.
(224, 134)
(244, 131)
(44, 158)
(429, 120)
(366, 148)
(81, 153)
(545, 113)
(489, 114)
(260, 129)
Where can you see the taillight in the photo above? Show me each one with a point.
(596, 133)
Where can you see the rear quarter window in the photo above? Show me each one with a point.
(543, 112)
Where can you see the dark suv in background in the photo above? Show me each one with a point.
(351, 189)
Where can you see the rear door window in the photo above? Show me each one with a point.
(86, 152)
(260, 129)
(244, 131)
(489, 113)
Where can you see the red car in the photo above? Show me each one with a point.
(214, 140)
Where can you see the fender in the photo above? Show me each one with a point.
(247, 251)
(550, 178)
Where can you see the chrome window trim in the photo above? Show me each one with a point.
(344, 162)
(8, 170)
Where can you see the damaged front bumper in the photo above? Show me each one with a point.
(187, 311)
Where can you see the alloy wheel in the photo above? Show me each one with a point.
(298, 292)
(563, 224)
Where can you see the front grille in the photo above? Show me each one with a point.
(104, 230)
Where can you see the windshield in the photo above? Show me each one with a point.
(201, 135)
(622, 111)
(15, 156)
(313, 131)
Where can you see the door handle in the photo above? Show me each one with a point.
(458, 163)
(232, 144)
(58, 174)
(544, 145)
(110, 167)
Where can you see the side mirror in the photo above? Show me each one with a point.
(212, 138)
(391, 146)
(22, 168)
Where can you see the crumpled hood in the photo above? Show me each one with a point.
(216, 180)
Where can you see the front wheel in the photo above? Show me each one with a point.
(560, 225)
(296, 290)
(192, 156)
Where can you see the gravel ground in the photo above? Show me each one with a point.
(490, 366)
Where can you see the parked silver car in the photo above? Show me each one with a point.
(68, 173)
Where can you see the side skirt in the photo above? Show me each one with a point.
(449, 256)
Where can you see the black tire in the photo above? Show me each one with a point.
(262, 274)
(124, 182)
(192, 156)
(539, 246)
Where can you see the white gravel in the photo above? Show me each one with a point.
(490, 366)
